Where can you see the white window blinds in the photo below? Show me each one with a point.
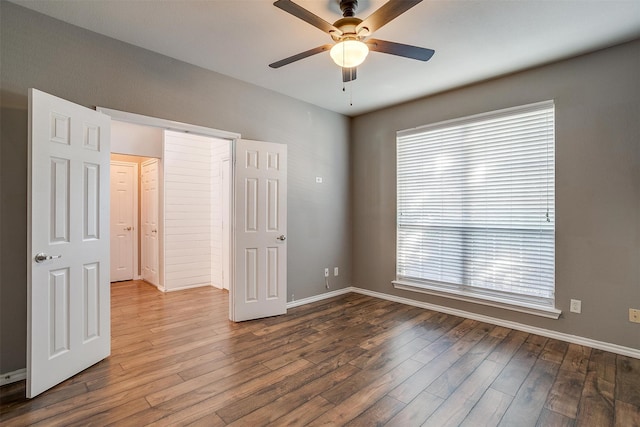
(476, 205)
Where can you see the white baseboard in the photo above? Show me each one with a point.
(574, 339)
(182, 288)
(12, 377)
(320, 297)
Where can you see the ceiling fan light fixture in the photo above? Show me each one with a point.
(349, 53)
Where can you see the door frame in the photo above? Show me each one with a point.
(226, 227)
(164, 124)
(136, 212)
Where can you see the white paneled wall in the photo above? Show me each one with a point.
(193, 226)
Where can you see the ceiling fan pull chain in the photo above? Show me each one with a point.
(351, 94)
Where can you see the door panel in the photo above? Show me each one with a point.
(150, 226)
(260, 215)
(124, 189)
(68, 247)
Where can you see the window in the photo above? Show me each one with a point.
(475, 214)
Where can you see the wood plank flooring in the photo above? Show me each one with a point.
(351, 360)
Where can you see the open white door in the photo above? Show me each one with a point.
(150, 226)
(259, 285)
(68, 244)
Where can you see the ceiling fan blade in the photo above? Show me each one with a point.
(308, 17)
(301, 55)
(386, 13)
(399, 49)
(348, 74)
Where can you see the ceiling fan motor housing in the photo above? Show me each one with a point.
(348, 7)
(347, 27)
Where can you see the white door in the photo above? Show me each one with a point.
(260, 216)
(68, 244)
(124, 218)
(226, 236)
(149, 222)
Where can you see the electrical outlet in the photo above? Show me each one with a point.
(293, 297)
(576, 306)
(634, 315)
(335, 271)
(326, 272)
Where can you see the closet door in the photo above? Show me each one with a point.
(149, 222)
(124, 219)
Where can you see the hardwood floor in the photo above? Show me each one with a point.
(351, 360)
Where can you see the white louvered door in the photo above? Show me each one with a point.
(260, 261)
(68, 221)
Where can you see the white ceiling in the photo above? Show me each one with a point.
(474, 40)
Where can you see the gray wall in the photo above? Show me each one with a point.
(89, 69)
(597, 98)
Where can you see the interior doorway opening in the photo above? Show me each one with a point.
(134, 218)
(170, 207)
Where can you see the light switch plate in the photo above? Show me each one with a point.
(576, 306)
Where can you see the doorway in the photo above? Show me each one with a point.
(258, 215)
(181, 223)
(134, 218)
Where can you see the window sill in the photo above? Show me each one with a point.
(536, 310)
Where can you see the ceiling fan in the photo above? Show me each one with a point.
(350, 35)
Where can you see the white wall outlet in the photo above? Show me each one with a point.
(634, 315)
(335, 271)
(576, 306)
(293, 297)
(318, 180)
(326, 272)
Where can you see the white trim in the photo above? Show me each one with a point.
(182, 288)
(320, 297)
(549, 312)
(12, 377)
(140, 119)
(600, 345)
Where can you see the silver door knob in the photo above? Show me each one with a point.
(282, 237)
(42, 257)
